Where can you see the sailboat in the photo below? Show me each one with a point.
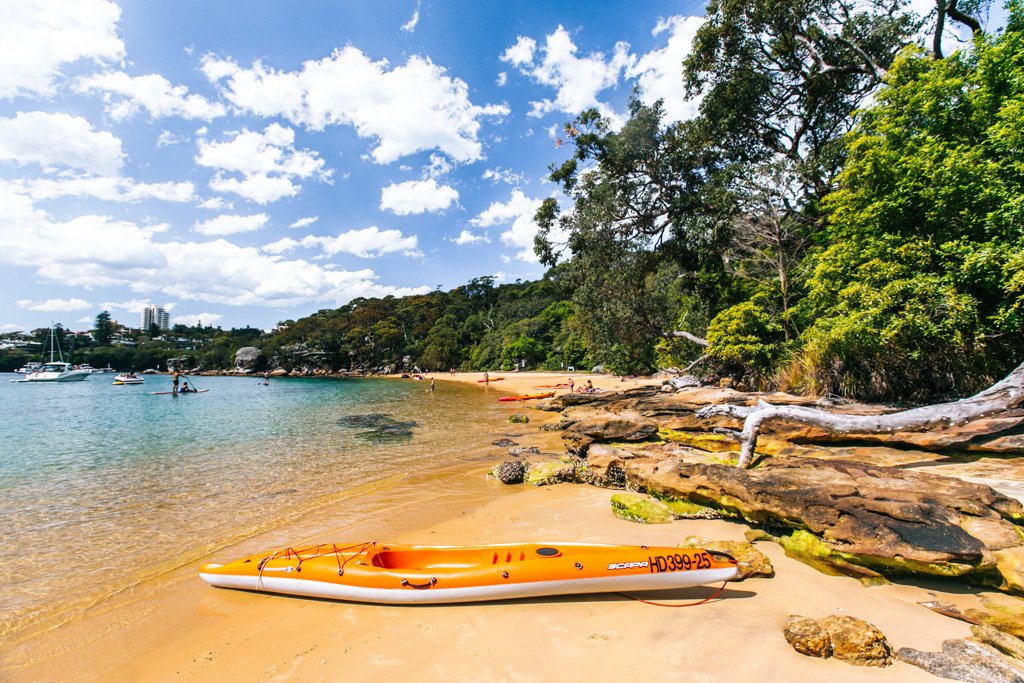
(55, 370)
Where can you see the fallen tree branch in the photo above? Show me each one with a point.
(695, 363)
(1004, 395)
(692, 337)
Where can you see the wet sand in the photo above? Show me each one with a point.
(180, 629)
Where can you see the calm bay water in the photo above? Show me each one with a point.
(103, 486)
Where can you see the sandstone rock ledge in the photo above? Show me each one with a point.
(861, 506)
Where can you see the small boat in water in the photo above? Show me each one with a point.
(55, 370)
(527, 397)
(128, 378)
(396, 574)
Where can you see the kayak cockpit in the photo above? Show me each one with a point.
(453, 558)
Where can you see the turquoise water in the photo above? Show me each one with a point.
(102, 486)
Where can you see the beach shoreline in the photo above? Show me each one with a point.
(181, 629)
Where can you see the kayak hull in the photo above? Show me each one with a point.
(180, 393)
(527, 397)
(370, 573)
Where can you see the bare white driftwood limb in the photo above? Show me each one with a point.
(695, 363)
(1004, 395)
(692, 337)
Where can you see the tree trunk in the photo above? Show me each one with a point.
(1004, 395)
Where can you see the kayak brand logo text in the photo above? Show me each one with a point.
(627, 565)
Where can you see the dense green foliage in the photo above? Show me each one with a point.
(920, 285)
(872, 253)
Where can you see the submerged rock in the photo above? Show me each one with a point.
(376, 427)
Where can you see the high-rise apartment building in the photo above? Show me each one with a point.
(157, 315)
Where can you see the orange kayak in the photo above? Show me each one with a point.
(527, 397)
(492, 379)
(395, 574)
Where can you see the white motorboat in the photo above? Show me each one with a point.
(55, 370)
(128, 378)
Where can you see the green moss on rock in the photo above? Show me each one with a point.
(702, 441)
(634, 507)
(805, 544)
(551, 472)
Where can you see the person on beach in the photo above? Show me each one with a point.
(572, 386)
(487, 378)
(431, 385)
(174, 389)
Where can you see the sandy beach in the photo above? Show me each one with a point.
(180, 629)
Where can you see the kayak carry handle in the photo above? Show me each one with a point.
(720, 554)
(420, 586)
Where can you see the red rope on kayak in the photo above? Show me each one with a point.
(688, 604)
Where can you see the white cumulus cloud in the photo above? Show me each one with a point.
(660, 72)
(517, 215)
(102, 187)
(126, 95)
(305, 222)
(417, 196)
(370, 242)
(578, 80)
(55, 305)
(95, 251)
(230, 224)
(268, 162)
(59, 140)
(466, 237)
(40, 37)
(409, 108)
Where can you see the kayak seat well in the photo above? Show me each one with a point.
(442, 558)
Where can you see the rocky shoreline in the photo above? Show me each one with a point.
(909, 505)
(877, 506)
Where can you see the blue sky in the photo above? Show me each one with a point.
(245, 163)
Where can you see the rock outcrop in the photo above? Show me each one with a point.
(890, 520)
(965, 660)
(247, 358)
(849, 639)
(858, 504)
